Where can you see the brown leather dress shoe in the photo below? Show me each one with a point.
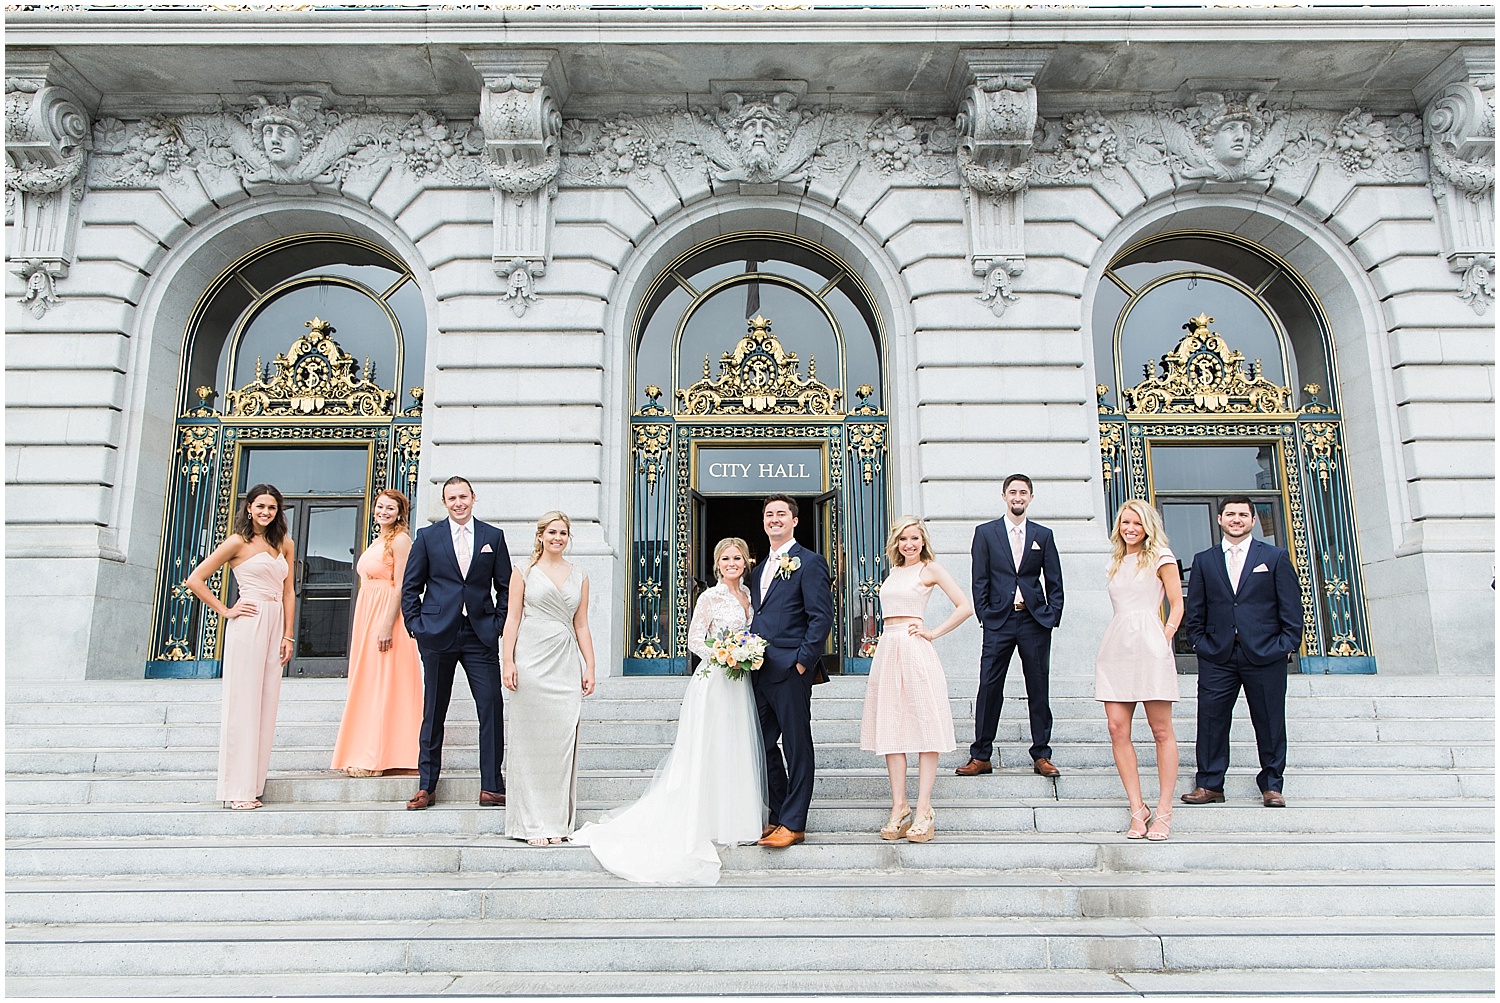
(489, 799)
(770, 827)
(1202, 795)
(424, 799)
(782, 837)
(1045, 768)
(1272, 799)
(974, 767)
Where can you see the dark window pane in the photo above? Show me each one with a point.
(1109, 300)
(1154, 326)
(411, 313)
(862, 356)
(307, 471)
(324, 628)
(653, 364)
(719, 323)
(1190, 528)
(1214, 468)
(330, 546)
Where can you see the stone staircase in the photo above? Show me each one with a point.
(124, 878)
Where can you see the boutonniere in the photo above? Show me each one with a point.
(786, 564)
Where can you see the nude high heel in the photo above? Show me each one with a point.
(1160, 827)
(898, 825)
(923, 830)
(1139, 823)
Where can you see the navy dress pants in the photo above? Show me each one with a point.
(1219, 687)
(1020, 631)
(482, 665)
(785, 709)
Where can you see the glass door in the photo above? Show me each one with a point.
(328, 545)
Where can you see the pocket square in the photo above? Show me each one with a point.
(1035, 545)
(1259, 567)
(487, 549)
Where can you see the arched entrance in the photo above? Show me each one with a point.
(758, 369)
(1201, 422)
(292, 374)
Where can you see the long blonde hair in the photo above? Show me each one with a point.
(744, 549)
(893, 555)
(547, 519)
(1151, 548)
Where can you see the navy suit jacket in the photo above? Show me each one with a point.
(794, 618)
(433, 594)
(1266, 612)
(996, 575)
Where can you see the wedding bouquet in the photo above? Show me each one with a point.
(736, 652)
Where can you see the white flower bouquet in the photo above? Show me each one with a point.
(736, 652)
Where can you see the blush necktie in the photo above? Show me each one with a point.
(465, 551)
(1236, 565)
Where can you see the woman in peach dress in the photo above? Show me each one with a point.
(383, 715)
(258, 640)
(906, 700)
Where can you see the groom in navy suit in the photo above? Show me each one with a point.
(1244, 619)
(793, 610)
(446, 601)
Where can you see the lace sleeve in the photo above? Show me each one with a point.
(703, 618)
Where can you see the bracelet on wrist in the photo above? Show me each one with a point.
(285, 638)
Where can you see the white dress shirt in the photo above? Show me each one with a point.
(1234, 560)
(768, 574)
(1013, 531)
(463, 549)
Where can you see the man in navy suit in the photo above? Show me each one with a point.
(1018, 596)
(793, 608)
(453, 602)
(1244, 619)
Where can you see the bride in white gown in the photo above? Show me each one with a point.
(711, 787)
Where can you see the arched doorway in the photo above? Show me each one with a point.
(292, 374)
(1201, 422)
(758, 368)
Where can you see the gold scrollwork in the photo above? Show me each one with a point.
(197, 449)
(1345, 646)
(759, 377)
(651, 444)
(1111, 438)
(315, 377)
(1321, 441)
(1203, 375)
(867, 441)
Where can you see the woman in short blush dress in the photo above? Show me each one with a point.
(258, 640)
(383, 713)
(906, 700)
(549, 665)
(711, 787)
(1135, 662)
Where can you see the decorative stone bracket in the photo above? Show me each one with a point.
(518, 111)
(1459, 122)
(997, 122)
(46, 146)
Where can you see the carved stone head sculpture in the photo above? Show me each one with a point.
(759, 127)
(1229, 128)
(286, 132)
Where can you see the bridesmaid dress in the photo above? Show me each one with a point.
(906, 699)
(252, 680)
(541, 767)
(1135, 662)
(711, 786)
(383, 714)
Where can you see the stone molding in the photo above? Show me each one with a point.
(47, 143)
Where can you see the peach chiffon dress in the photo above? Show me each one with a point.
(383, 715)
(251, 684)
(906, 700)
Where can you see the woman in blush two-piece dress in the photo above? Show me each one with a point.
(1135, 662)
(906, 700)
(548, 664)
(711, 786)
(383, 713)
(258, 640)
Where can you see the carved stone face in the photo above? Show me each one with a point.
(760, 139)
(282, 144)
(1231, 142)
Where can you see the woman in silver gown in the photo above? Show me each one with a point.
(549, 668)
(710, 788)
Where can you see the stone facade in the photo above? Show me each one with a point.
(536, 169)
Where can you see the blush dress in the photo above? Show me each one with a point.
(252, 680)
(383, 714)
(1135, 661)
(906, 699)
(541, 756)
(709, 788)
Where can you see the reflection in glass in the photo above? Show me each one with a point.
(1190, 528)
(719, 322)
(323, 627)
(298, 471)
(360, 327)
(332, 533)
(1154, 326)
(1214, 468)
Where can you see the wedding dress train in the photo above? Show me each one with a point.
(710, 788)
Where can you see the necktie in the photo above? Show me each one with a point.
(464, 550)
(768, 576)
(1017, 551)
(1236, 565)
